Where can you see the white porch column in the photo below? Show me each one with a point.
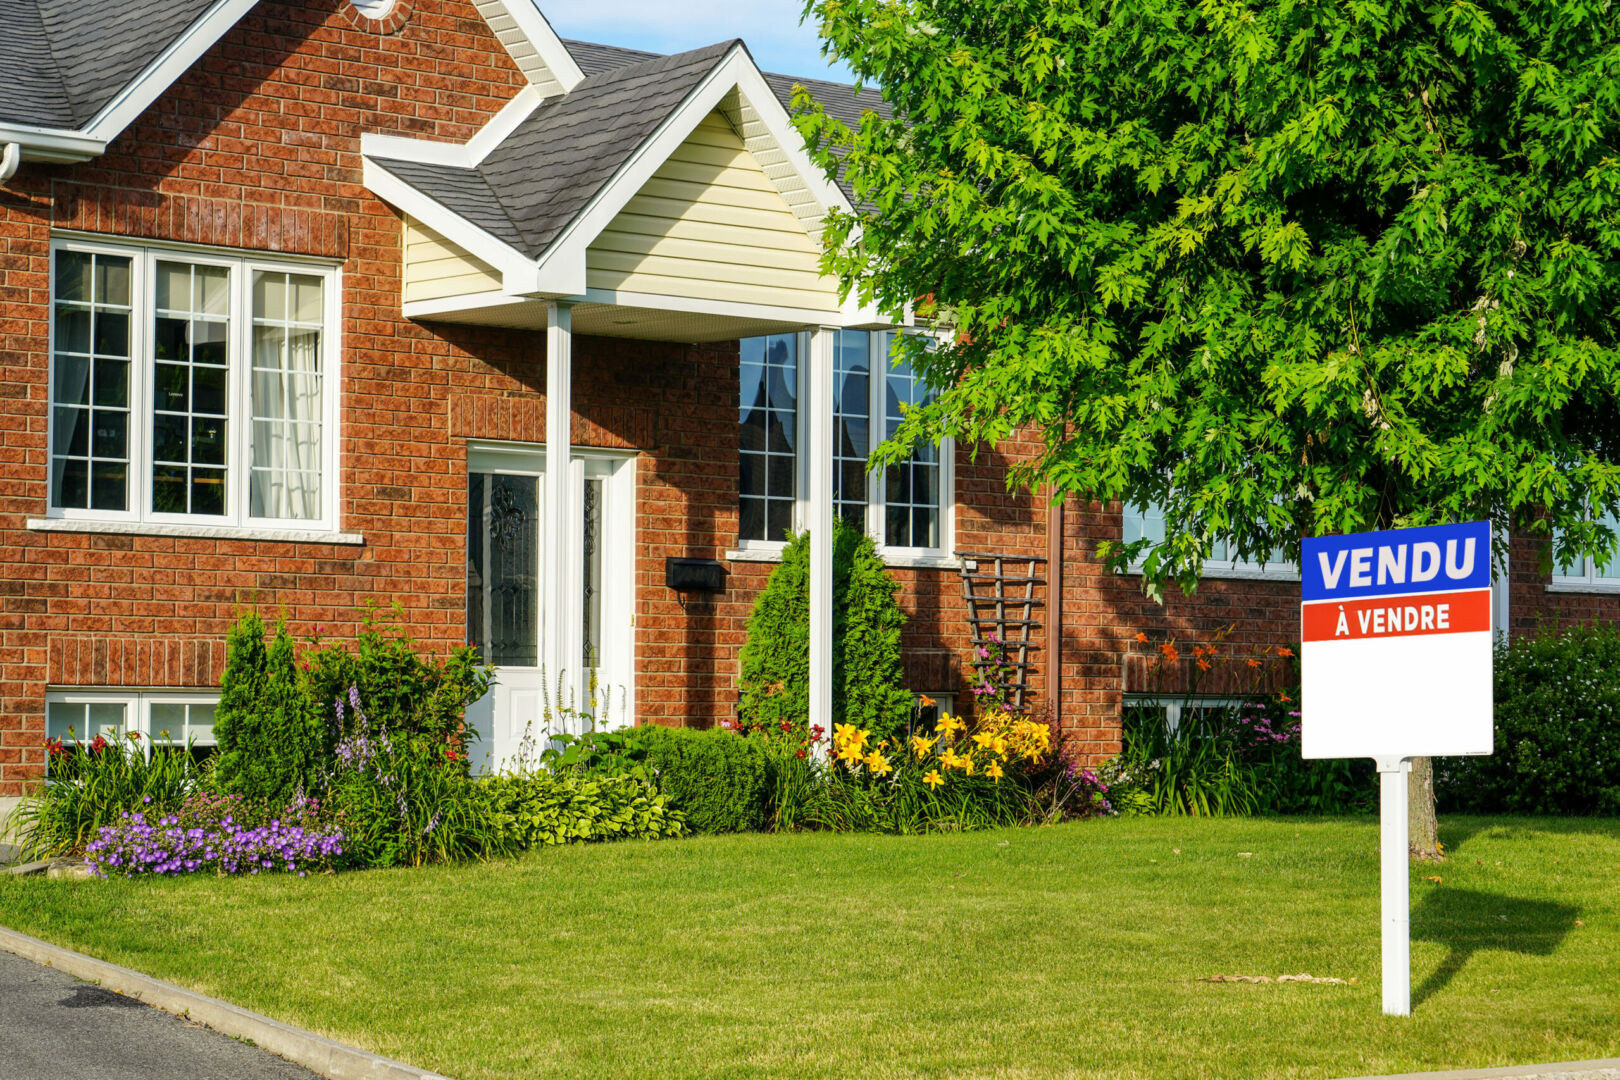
(819, 445)
(556, 547)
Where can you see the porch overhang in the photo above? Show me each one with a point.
(707, 228)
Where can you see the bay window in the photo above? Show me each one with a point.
(904, 507)
(192, 387)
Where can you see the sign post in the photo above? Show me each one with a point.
(1395, 663)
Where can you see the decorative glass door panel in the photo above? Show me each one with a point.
(503, 567)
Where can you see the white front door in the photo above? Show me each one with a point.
(505, 534)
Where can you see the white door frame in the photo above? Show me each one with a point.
(523, 690)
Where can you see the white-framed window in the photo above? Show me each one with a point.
(1173, 710)
(192, 387)
(906, 508)
(768, 482)
(164, 719)
(1586, 572)
(1147, 523)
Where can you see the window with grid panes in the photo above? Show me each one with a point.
(191, 387)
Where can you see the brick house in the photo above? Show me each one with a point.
(305, 302)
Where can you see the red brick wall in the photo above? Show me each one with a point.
(257, 146)
(1532, 606)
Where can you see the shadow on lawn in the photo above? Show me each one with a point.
(1467, 922)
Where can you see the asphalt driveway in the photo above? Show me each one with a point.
(55, 1027)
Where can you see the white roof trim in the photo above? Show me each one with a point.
(516, 269)
(466, 155)
(561, 270)
(56, 145)
(847, 316)
(162, 72)
(550, 65)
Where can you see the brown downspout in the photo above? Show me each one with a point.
(1054, 606)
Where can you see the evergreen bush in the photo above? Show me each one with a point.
(868, 684)
(273, 736)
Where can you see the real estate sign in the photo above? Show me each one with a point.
(1395, 657)
(1395, 663)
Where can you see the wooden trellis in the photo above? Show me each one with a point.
(1001, 601)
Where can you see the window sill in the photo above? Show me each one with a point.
(1594, 588)
(1236, 573)
(195, 532)
(898, 560)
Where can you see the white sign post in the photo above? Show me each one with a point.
(1395, 663)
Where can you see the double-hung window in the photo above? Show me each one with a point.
(904, 507)
(1585, 572)
(192, 387)
(1147, 523)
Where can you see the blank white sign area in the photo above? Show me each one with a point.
(1424, 696)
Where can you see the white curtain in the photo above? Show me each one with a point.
(286, 481)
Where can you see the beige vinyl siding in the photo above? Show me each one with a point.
(710, 225)
(435, 268)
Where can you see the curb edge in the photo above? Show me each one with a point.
(328, 1057)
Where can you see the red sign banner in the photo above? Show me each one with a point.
(1420, 615)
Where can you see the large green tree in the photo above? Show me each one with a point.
(1284, 269)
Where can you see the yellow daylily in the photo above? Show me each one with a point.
(879, 765)
(922, 746)
(994, 772)
(933, 779)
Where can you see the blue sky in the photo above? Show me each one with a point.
(771, 28)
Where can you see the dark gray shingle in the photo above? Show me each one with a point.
(553, 164)
(67, 59)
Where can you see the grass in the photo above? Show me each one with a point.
(1062, 952)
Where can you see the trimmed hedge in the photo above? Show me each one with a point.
(1557, 730)
(720, 781)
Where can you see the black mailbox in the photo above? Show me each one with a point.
(694, 575)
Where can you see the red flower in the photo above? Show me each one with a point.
(785, 726)
(54, 747)
(99, 745)
(801, 754)
(135, 735)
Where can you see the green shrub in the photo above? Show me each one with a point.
(720, 781)
(1557, 730)
(868, 684)
(92, 784)
(280, 714)
(541, 809)
(405, 693)
(273, 737)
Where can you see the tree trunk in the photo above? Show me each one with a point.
(1422, 829)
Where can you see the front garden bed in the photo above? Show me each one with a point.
(1070, 951)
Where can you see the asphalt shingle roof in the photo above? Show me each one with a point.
(839, 99)
(547, 171)
(67, 59)
(552, 164)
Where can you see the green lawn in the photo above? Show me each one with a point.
(1069, 951)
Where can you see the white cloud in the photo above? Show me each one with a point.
(771, 28)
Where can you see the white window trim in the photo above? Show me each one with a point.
(1589, 580)
(1224, 569)
(237, 524)
(137, 705)
(1172, 704)
(942, 557)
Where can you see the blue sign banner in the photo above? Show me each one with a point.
(1434, 558)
